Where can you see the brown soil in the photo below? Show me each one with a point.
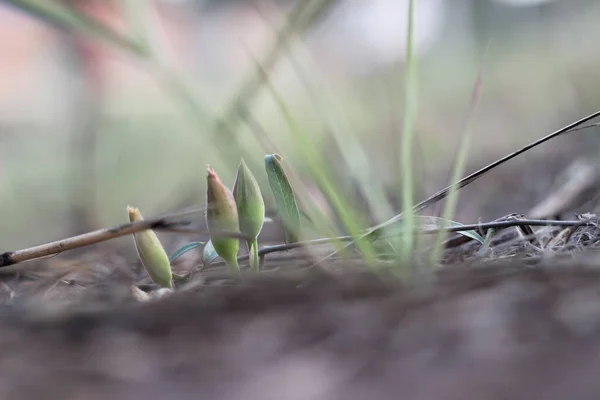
(497, 332)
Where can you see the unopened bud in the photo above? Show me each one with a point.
(151, 252)
(249, 201)
(222, 215)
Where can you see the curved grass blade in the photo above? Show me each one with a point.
(284, 197)
(184, 249)
(459, 166)
(181, 278)
(209, 254)
(62, 16)
(486, 244)
(441, 223)
(427, 222)
(407, 139)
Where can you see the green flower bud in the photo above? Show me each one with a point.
(249, 201)
(222, 215)
(251, 209)
(151, 252)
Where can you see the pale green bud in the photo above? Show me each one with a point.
(249, 201)
(222, 215)
(151, 252)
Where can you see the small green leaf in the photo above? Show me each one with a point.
(486, 244)
(253, 259)
(181, 278)
(427, 222)
(284, 197)
(438, 222)
(384, 246)
(184, 249)
(209, 254)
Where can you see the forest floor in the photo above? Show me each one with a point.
(554, 185)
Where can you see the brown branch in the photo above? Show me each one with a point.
(162, 223)
(577, 188)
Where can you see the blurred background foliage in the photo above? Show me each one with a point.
(86, 129)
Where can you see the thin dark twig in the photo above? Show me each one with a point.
(575, 126)
(580, 128)
(511, 223)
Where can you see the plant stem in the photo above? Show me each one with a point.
(407, 139)
(253, 249)
(233, 266)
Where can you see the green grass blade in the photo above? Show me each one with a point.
(486, 244)
(62, 16)
(209, 254)
(459, 167)
(184, 249)
(441, 223)
(253, 259)
(318, 170)
(426, 222)
(299, 20)
(136, 13)
(407, 140)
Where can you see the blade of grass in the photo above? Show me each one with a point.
(433, 199)
(317, 220)
(341, 128)
(65, 17)
(303, 15)
(425, 223)
(184, 249)
(136, 13)
(481, 172)
(315, 217)
(459, 167)
(486, 244)
(407, 140)
(209, 254)
(320, 174)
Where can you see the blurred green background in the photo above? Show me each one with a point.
(86, 129)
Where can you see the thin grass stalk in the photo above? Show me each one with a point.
(62, 16)
(407, 140)
(459, 167)
(137, 14)
(319, 172)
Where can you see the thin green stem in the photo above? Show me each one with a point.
(459, 167)
(253, 249)
(63, 16)
(137, 14)
(408, 137)
(233, 266)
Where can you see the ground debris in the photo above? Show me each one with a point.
(493, 331)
